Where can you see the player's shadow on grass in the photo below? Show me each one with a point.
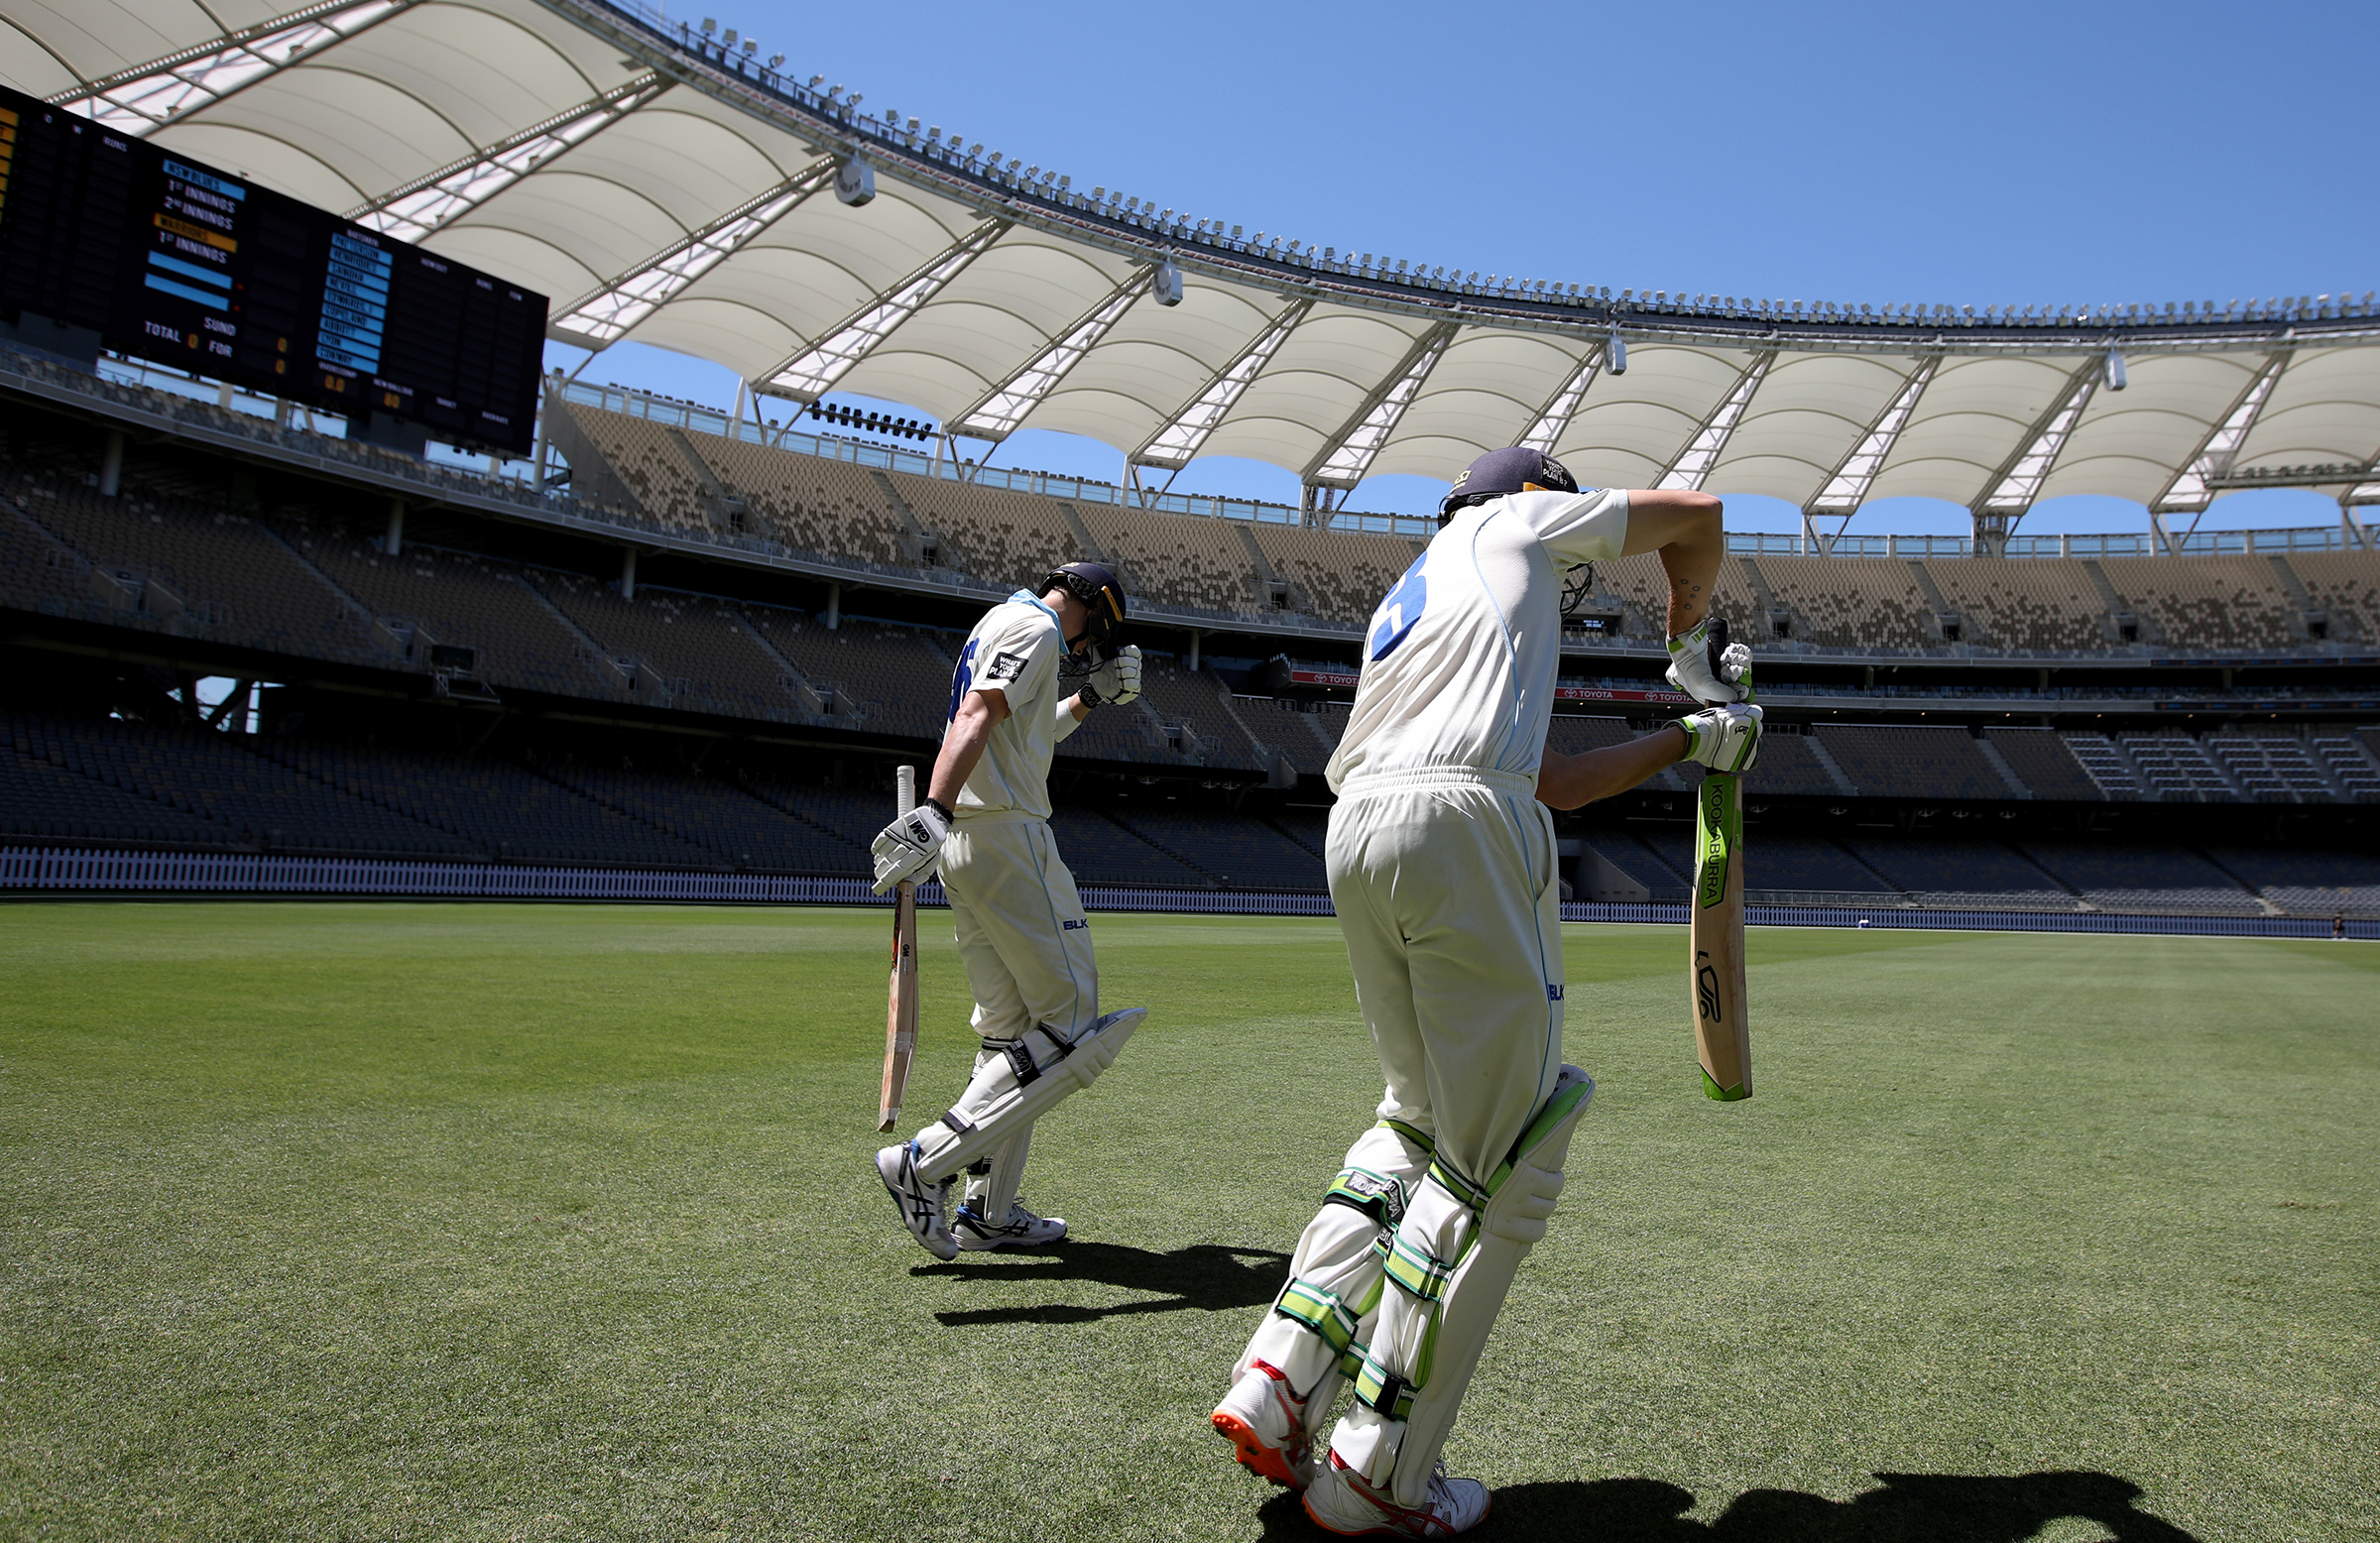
(1904, 1509)
(1208, 1277)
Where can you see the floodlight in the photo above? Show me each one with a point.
(730, 38)
(814, 80)
(777, 62)
(709, 25)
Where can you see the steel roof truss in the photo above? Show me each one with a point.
(1702, 452)
(619, 305)
(422, 205)
(1179, 440)
(1553, 419)
(1350, 452)
(146, 97)
(2012, 488)
(812, 373)
(1846, 488)
(2189, 489)
(1004, 407)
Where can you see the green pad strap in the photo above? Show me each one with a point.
(1379, 1388)
(1419, 1271)
(1472, 1195)
(1320, 1312)
(1374, 1194)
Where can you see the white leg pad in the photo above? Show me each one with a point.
(1450, 1268)
(999, 1103)
(992, 1190)
(1331, 1301)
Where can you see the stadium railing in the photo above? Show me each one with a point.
(51, 870)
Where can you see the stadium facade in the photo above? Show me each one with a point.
(682, 640)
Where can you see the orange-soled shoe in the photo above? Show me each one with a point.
(1266, 1422)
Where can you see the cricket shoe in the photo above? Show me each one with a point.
(1267, 1423)
(1023, 1229)
(919, 1203)
(1340, 1500)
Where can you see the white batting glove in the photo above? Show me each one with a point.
(1725, 739)
(1114, 680)
(910, 844)
(1690, 667)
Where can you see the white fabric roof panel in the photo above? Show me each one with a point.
(2321, 409)
(361, 115)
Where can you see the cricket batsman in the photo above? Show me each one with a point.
(1442, 869)
(1020, 923)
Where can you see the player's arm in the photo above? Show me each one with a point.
(980, 712)
(1685, 530)
(1725, 739)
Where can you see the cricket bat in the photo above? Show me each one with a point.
(1722, 1032)
(900, 1007)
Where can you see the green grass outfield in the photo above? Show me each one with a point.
(478, 1220)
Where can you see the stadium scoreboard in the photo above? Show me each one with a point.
(173, 260)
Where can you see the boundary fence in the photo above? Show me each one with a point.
(68, 870)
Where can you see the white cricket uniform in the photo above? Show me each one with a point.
(1442, 871)
(1019, 922)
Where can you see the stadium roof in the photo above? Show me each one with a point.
(668, 187)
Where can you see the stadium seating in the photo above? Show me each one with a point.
(2027, 603)
(1337, 575)
(2351, 766)
(2129, 877)
(2174, 765)
(469, 601)
(2271, 768)
(2346, 587)
(686, 641)
(1775, 862)
(2044, 763)
(1185, 561)
(1097, 850)
(2208, 602)
(1643, 583)
(1788, 764)
(1240, 853)
(1005, 539)
(1641, 862)
(726, 821)
(1175, 696)
(896, 679)
(211, 569)
(2307, 882)
(831, 508)
(1851, 602)
(1906, 763)
(2103, 764)
(1988, 874)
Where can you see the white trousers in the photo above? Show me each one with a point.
(1446, 890)
(1027, 946)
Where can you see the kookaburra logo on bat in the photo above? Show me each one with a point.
(1705, 987)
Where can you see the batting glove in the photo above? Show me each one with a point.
(910, 844)
(1113, 681)
(1725, 739)
(1690, 669)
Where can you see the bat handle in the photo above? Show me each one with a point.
(905, 794)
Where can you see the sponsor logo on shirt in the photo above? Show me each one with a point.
(1005, 666)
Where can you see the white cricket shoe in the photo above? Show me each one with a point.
(1023, 1229)
(1264, 1421)
(919, 1203)
(1341, 1501)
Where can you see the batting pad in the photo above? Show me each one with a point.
(1014, 1089)
(1433, 1325)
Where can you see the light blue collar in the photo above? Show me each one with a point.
(1034, 600)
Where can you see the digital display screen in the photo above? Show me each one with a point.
(173, 260)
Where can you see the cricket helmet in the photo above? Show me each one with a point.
(1101, 592)
(1499, 472)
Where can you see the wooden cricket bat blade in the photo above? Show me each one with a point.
(1721, 1028)
(901, 1005)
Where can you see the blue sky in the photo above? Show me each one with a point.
(2021, 152)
